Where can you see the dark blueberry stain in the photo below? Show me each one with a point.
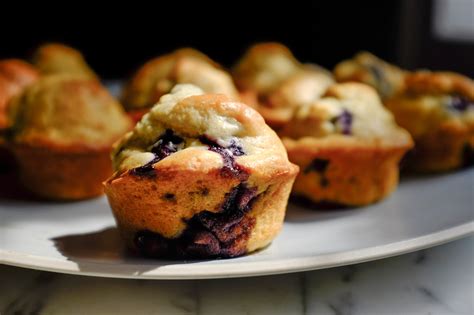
(221, 234)
(166, 145)
(344, 121)
(228, 154)
(169, 196)
(146, 170)
(459, 103)
(208, 234)
(317, 165)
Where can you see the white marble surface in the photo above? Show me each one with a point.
(439, 280)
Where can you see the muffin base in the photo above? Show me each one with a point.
(57, 174)
(445, 149)
(194, 215)
(347, 176)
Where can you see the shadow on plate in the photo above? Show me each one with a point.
(301, 210)
(104, 252)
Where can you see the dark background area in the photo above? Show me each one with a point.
(115, 42)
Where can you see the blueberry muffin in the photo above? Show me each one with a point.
(63, 128)
(438, 111)
(200, 176)
(61, 59)
(15, 75)
(271, 79)
(386, 78)
(347, 146)
(158, 76)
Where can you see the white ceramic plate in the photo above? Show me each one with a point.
(80, 237)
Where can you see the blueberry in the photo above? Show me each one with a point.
(317, 165)
(459, 103)
(231, 168)
(146, 170)
(207, 234)
(166, 145)
(344, 122)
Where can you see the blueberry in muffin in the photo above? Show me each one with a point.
(437, 109)
(62, 131)
(347, 146)
(158, 76)
(274, 82)
(200, 176)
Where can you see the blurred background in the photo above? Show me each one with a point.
(436, 34)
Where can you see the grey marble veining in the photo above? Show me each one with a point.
(433, 281)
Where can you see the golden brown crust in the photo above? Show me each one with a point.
(264, 66)
(427, 82)
(347, 146)
(366, 68)
(61, 175)
(67, 111)
(157, 76)
(200, 200)
(438, 111)
(14, 76)
(56, 58)
(62, 133)
(272, 81)
(350, 174)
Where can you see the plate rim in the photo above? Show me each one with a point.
(246, 269)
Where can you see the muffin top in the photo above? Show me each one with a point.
(434, 99)
(347, 112)
(158, 76)
(14, 76)
(190, 129)
(275, 83)
(66, 111)
(438, 83)
(301, 88)
(387, 79)
(61, 59)
(265, 66)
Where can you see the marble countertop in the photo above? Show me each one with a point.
(439, 280)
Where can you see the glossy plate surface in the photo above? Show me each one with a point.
(80, 237)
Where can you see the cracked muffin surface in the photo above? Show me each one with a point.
(200, 176)
(347, 145)
(273, 81)
(158, 76)
(437, 109)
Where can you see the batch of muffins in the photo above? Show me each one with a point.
(199, 162)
